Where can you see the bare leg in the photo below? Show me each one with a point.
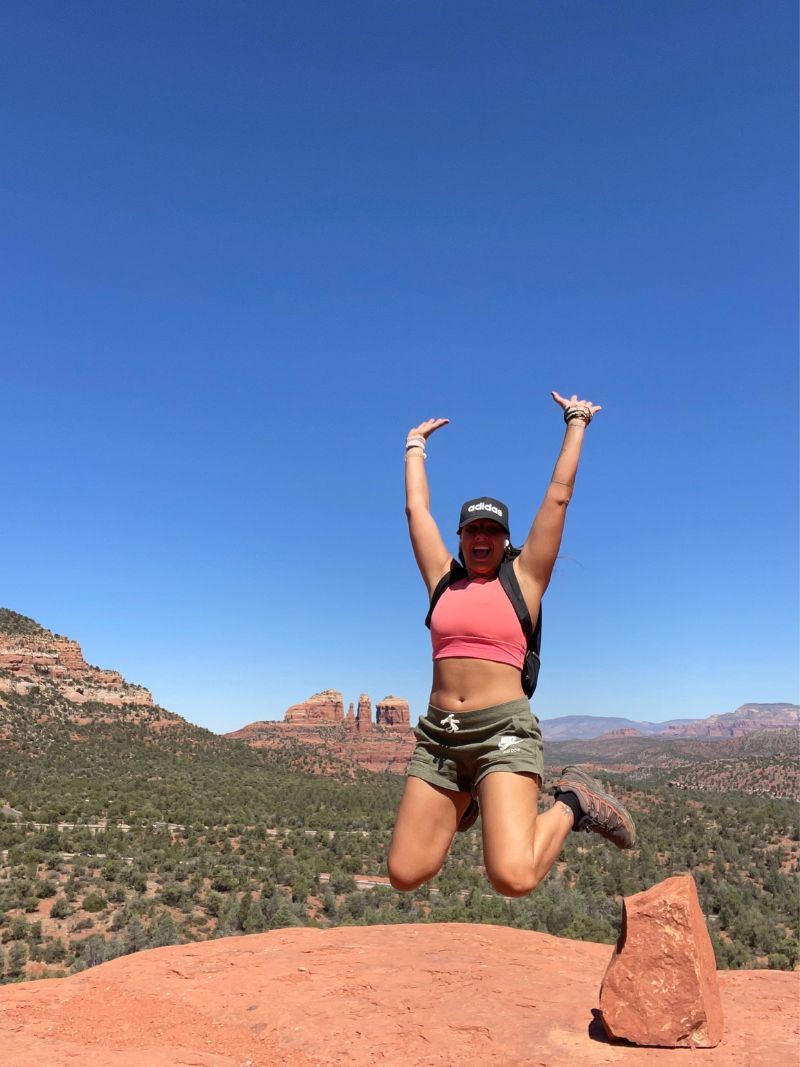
(519, 848)
(552, 830)
(426, 822)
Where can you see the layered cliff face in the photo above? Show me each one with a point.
(327, 706)
(364, 713)
(31, 656)
(392, 711)
(350, 739)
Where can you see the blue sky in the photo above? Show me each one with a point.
(247, 245)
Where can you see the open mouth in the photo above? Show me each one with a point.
(481, 553)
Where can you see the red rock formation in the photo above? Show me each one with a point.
(327, 706)
(37, 656)
(477, 996)
(385, 745)
(661, 985)
(340, 748)
(364, 713)
(392, 711)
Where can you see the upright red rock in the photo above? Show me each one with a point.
(392, 711)
(350, 717)
(364, 713)
(661, 985)
(327, 706)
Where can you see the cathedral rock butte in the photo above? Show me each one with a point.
(347, 738)
(328, 707)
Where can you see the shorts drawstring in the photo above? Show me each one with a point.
(452, 724)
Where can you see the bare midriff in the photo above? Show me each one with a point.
(466, 685)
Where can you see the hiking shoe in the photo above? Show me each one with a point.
(471, 813)
(602, 813)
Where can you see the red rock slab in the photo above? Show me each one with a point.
(388, 996)
(661, 985)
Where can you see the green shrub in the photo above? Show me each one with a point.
(59, 909)
(94, 902)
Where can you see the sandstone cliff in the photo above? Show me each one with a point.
(364, 713)
(340, 742)
(335, 749)
(394, 996)
(31, 656)
(327, 706)
(392, 711)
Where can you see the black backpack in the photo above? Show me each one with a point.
(533, 634)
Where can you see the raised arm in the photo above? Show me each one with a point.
(538, 556)
(430, 552)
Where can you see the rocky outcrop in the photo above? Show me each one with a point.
(661, 985)
(335, 749)
(327, 706)
(339, 742)
(31, 656)
(392, 711)
(478, 996)
(364, 714)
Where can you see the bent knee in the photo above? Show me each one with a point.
(402, 884)
(404, 879)
(515, 882)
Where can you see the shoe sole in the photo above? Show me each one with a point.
(587, 789)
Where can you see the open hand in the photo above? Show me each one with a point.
(429, 426)
(574, 402)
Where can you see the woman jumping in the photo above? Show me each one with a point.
(479, 721)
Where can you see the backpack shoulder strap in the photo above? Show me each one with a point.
(453, 575)
(511, 586)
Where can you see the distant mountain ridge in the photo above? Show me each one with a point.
(745, 719)
(33, 658)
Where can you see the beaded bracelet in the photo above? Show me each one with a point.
(571, 413)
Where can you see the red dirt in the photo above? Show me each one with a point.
(394, 996)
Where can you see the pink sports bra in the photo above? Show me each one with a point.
(476, 620)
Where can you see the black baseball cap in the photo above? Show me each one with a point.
(484, 507)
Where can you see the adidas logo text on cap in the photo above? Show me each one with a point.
(483, 506)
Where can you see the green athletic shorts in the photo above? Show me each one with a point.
(455, 751)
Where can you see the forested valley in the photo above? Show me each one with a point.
(117, 838)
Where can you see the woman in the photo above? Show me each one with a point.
(479, 721)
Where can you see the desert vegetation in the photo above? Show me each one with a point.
(129, 832)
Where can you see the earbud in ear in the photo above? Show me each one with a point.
(507, 542)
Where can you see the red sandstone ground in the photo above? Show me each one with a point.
(394, 996)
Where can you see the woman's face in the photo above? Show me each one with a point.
(483, 543)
